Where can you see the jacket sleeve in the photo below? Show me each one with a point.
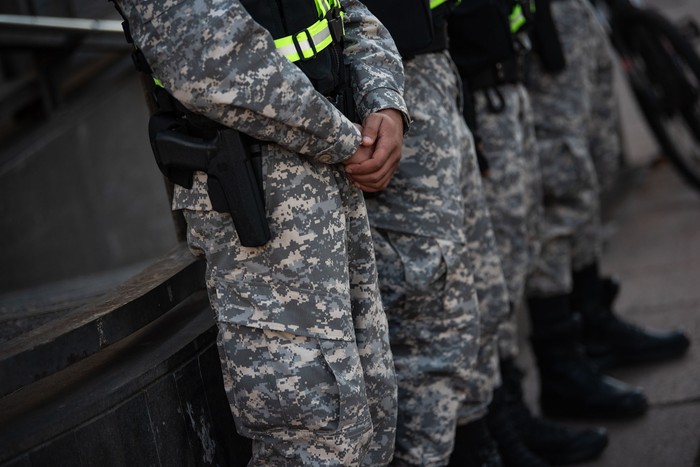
(217, 61)
(377, 70)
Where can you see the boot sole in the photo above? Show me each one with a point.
(569, 409)
(616, 360)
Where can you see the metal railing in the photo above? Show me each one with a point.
(43, 59)
(76, 25)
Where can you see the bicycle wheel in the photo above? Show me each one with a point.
(663, 70)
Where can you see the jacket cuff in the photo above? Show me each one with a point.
(343, 147)
(384, 98)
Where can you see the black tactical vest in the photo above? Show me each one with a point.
(480, 35)
(286, 17)
(414, 26)
(409, 22)
(441, 15)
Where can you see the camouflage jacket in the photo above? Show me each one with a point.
(217, 61)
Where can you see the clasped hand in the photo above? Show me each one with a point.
(372, 165)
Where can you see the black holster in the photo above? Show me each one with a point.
(233, 165)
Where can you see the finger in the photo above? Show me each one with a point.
(389, 142)
(380, 176)
(365, 167)
(370, 128)
(383, 154)
(361, 154)
(377, 185)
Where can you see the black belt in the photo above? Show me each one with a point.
(510, 71)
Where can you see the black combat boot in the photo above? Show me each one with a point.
(570, 385)
(554, 443)
(608, 340)
(513, 451)
(474, 447)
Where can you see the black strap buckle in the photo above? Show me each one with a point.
(310, 39)
(335, 24)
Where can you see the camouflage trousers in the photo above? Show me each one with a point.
(513, 192)
(604, 125)
(425, 274)
(429, 298)
(576, 132)
(490, 285)
(315, 387)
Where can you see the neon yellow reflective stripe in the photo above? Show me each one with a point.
(318, 33)
(322, 7)
(158, 82)
(313, 39)
(436, 3)
(517, 19)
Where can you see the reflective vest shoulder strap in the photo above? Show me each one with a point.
(310, 41)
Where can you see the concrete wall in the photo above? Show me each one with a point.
(81, 194)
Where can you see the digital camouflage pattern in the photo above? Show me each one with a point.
(437, 194)
(424, 196)
(434, 330)
(483, 377)
(371, 385)
(295, 405)
(309, 297)
(490, 287)
(251, 87)
(513, 192)
(604, 129)
(564, 107)
(425, 272)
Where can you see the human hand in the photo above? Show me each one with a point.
(376, 160)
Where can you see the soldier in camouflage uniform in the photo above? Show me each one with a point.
(489, 45)
(512, 187)
(440, 277)
(493, 298)
(424, 268)
(576, 131)
(302, 337)
(562, 105)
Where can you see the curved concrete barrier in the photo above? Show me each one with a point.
(151, 394)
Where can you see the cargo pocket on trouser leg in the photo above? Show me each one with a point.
(300, 398)
(434, 332)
